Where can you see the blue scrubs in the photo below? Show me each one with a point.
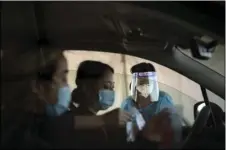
(165, 101)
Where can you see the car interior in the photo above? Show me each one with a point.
(149, 30)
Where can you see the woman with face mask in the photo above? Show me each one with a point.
(95, 92)
(52, 89)
(43, 94)
(43, 114)
(95, 87)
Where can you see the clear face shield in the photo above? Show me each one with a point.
(144, 87)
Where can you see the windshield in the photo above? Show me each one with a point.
(170, 82)
(87, 84)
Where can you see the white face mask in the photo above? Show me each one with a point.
(145, 90)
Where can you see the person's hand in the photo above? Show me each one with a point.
(161, 128)
(116, 117)
(157, 125)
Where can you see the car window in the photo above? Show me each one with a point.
(216, 99)
(183, 103)
(215, 63)
(184, 92)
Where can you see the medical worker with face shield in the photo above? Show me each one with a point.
(152, 103)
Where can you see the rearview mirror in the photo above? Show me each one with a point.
(202, 48)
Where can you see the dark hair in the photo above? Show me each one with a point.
(47, 71)
(91, 70)
(142, 67)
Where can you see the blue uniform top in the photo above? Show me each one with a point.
(165, 101)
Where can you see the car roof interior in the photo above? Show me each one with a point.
(105, 26)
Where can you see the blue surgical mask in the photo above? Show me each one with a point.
(106, 98)
(63, 102)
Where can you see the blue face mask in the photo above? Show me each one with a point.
(63, 102)
(106, 98)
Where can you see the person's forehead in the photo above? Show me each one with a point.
(143, 80)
